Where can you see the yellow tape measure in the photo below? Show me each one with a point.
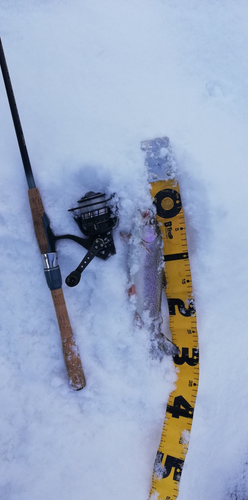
(179, 292)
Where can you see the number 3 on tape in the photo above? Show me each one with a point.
(179, 292)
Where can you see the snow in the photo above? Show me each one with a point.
(92, 79)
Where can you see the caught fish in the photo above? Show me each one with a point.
(147, 280)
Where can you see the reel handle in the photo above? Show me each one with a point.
(74, 277)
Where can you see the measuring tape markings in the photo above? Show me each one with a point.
(180, 408)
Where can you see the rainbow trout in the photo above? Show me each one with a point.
(147, 280)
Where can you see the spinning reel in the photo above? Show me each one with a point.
(95, 217)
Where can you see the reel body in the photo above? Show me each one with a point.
(95, 216)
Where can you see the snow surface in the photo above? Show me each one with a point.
(92, 79)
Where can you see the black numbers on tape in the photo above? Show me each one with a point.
(163, 471)
(168, 203)
(180, 408)
(168, 230)
(184, 357)
(172, 303)
(192, 383)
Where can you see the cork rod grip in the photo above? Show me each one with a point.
(71, 355)
(70, 351)
(37, 211)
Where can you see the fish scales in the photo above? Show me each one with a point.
(148, 260)
(147, 280)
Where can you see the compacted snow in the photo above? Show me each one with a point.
(92, 79)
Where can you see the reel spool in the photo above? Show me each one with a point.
(94, 216)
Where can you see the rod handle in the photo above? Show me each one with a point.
(71, 355)
(37, 211)
(70, 350)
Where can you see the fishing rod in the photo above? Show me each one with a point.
(46, 245)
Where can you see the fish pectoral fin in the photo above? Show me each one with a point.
(143, 242)
(131, 291)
